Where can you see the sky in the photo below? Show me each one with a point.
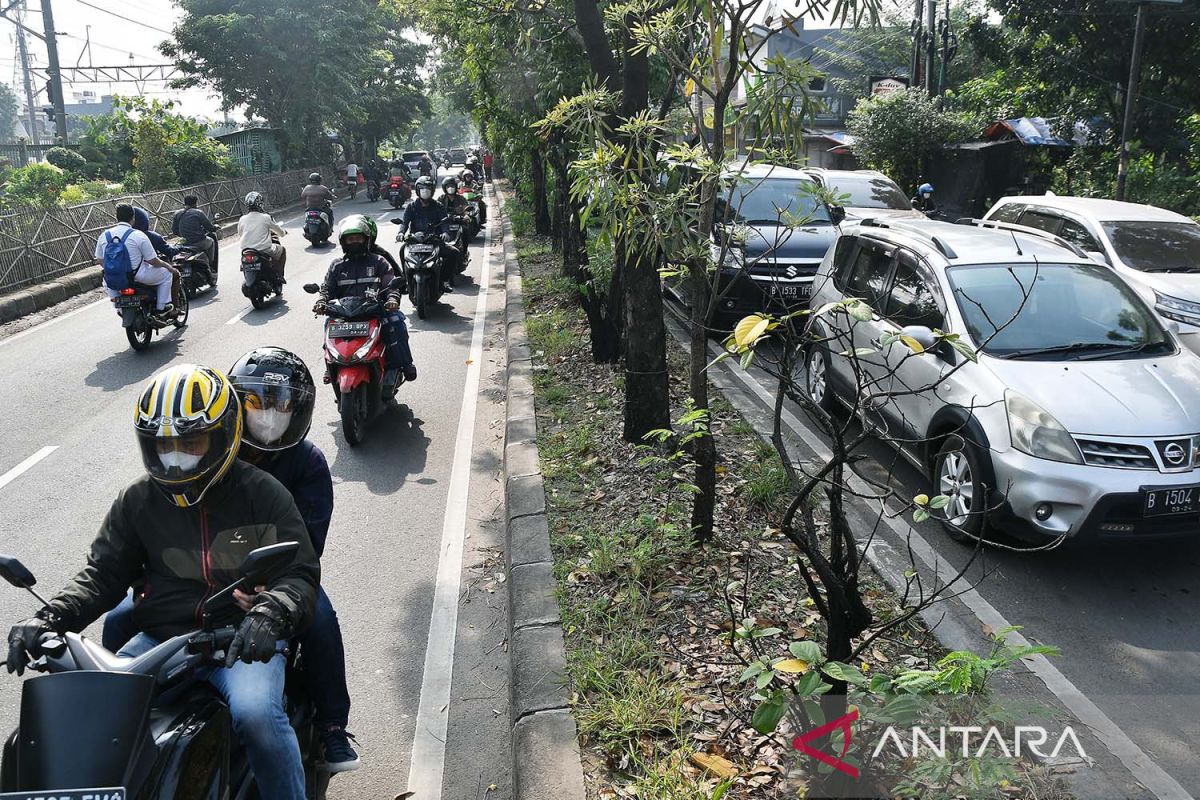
(114, 40)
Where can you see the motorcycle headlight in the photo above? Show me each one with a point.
(1035, 432)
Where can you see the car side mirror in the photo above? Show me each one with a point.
(921, 335)
(16, 573)
(263, 563)
(1172, 326)
(837, 214)
(312, 288)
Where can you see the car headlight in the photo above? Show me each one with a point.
(1035, 432)
(734, 257)
(1177, 308)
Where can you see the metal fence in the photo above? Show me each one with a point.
(21, 153)
(39, 244)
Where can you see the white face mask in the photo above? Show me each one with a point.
(177, 459)
(427, 194)
(268, 425)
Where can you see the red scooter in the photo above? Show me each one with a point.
(398, 191)
(354, 363)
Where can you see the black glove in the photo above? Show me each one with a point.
(320, 307)
(257, 636)
(22, 640)
(391, 305)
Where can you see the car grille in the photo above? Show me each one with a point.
(1114, 454)
(769, 270)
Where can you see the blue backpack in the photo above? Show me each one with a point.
(118, 269)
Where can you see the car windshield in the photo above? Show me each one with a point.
(413, 156)
(1156, 246)
(770, 201)
(1054, 312)
(869, 191)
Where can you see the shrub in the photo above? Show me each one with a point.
(36, 184)
(66, 160)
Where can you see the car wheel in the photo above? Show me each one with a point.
(818, 379)
(958, 474)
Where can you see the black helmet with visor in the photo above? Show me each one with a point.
(277, 395)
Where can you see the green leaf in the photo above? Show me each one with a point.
(750, 671)
(759, 633)
(967, 351)
(747, 357)
(920, 515)
(844, 672)
(858, 351)
(764, 679)
(880, 683)
(721, 790)
(859, 310)
(766, 717)
(806, 651)
(810, 684)
(941, 501)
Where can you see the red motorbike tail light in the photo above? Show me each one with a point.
(128, 291)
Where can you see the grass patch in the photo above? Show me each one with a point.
(551, 332)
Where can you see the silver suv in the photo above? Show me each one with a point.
(1081, 414)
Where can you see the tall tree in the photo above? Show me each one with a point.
(8, 112)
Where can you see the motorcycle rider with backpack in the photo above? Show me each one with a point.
(425, 215)
(277, 394)
(127, 256)
(359, 272)
(174, 531)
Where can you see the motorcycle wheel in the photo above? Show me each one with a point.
(354, 415)
(259, 301)
(185, 310)
(139, 335)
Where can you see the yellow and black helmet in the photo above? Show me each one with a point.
(189, 427)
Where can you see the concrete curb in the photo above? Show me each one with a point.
(545, 751)
(43, 295)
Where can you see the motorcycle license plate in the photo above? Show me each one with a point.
(423, 249)
(349, 330)
(250, 266)
(115, 793)
(124, 301)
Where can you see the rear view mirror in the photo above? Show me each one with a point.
(16, 573)
(264, 563)
(312, 288)
(921, 335)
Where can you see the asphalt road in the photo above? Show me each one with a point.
(1122, 613)
(71, 383)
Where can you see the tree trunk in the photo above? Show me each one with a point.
(647, 396)
(704, 448)
(537, 173)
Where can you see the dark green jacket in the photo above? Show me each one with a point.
(182, 556)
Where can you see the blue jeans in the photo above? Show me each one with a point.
(395, 337)
(321, 642)
(254, 693)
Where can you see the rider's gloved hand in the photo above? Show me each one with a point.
(391, 305)
(22, 640)
(257, 636)
(319, 307)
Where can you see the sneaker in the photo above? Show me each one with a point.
(339, 755)
(167, 312)
(410, 372)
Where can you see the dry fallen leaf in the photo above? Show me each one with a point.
(716, 766)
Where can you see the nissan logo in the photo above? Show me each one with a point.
(1174, 454)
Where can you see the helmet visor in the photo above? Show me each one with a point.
(276, 416)
(176, 462)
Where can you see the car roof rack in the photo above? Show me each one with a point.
(942, 247)
(1023, 229)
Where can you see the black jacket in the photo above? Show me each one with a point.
(354, 277)
(182, 556)
(421, 218)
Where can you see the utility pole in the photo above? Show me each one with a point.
(949, 49)
(30, 110)
(54, 73)
(914, 69)
(930, 46)
(1131, 92)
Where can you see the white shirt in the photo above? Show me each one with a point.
(138, 245)
(255, 228)
(352, 170)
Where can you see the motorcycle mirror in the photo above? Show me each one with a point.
(397, 221)
(312, 288)
(16, 573)
(264, 562)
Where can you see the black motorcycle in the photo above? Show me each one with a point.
(136, 307)
(372, 190)
(96, 725)
(196, 274)
(456, 237)
(422, 257)
(317, 228)
(259, 281)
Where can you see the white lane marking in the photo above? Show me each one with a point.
(17, 471)
(239, 316)
(40, 325)
(1142, 767)
(429, 744)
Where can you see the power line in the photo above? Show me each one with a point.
(126, 19)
